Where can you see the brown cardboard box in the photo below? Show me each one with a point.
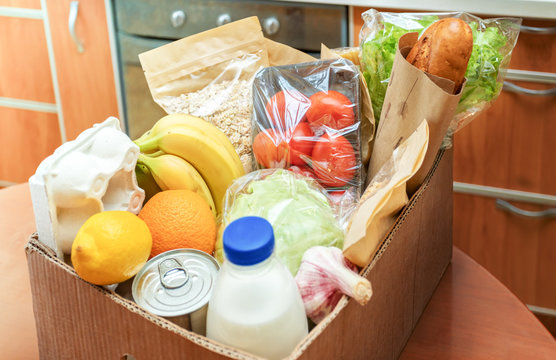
(77, 320)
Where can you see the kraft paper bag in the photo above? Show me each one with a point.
(193, 62)
(210, 75)
(280, 54)
(412, 96)
(367, 115)
(385, 196)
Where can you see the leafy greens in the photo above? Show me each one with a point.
(483, 85)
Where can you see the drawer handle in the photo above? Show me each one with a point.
(511, 87)
(178, 18)
(74, 8)
(506, 206)
(538, 30)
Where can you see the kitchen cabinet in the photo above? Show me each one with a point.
(512, 146)
(26, 76)
(50, 92)
(510, 149)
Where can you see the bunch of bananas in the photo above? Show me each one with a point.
(185, 152)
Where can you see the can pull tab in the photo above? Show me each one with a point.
(172, 273)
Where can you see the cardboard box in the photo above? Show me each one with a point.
(78, 320)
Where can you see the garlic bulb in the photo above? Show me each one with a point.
(324, 276)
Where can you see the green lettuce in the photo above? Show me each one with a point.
(482, 70)
(299, 212)
(378, 57)
(482, 85)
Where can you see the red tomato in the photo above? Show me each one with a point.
(301, 143)
(271, 150)
(286, 109)
(333, 160)
(303, 171)
(335, 197)
(332, 109)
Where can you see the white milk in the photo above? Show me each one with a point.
(257, 307)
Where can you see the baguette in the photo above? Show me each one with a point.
(444, 50)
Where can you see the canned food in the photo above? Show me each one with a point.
(177, 285)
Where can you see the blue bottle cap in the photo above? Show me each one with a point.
(248, 240)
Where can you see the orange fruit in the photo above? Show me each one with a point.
(179, 219)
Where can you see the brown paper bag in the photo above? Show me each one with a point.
(210, 75)
(383, 199)
(367, 116)
(280, 54)
(412, 96)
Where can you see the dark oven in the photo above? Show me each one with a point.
(142, 25)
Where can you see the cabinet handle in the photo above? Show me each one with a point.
(74, 7)
(531, 76)
(538, 30)
(506, 206)
(511, 87)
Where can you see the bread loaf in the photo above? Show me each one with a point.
(444, 50)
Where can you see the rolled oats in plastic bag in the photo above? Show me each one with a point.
(493, 42)
(209, 75)
(306, 118)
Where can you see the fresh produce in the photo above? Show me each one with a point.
(271, 150)
(298, 210)
(286, 109)
(443, 50)
(378, 52)
(324, 276)
(171, 172)
(303, 171)
(332, 109)
(200, 144)
(493, 41)
(179, 219)
(168, 122)
(306, 110)
(111, 247)
(301, 144)
(146, 181)
(334, 160)
(492, 47)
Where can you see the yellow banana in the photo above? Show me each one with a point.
(211, 159)
(146, 181)
(171, 121)
(172, 172)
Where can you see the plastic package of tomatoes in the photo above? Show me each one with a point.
(306, 118)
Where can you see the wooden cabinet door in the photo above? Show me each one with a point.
(26, 136)
(86, 80)
(512, 146)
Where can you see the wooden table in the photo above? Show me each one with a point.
(471, 315)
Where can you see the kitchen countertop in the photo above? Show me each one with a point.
(542, 9)
(470, 316)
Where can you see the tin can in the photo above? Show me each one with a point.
(177, 285)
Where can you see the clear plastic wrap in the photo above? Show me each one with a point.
(209, 75)
(306, 118)
(297, 207)
(493, 42)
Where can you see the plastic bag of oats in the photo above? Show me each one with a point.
(210, 75)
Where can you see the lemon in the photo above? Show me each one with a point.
(111, 247)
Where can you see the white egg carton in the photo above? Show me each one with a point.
(93, 173)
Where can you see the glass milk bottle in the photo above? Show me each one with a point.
(255, 304)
